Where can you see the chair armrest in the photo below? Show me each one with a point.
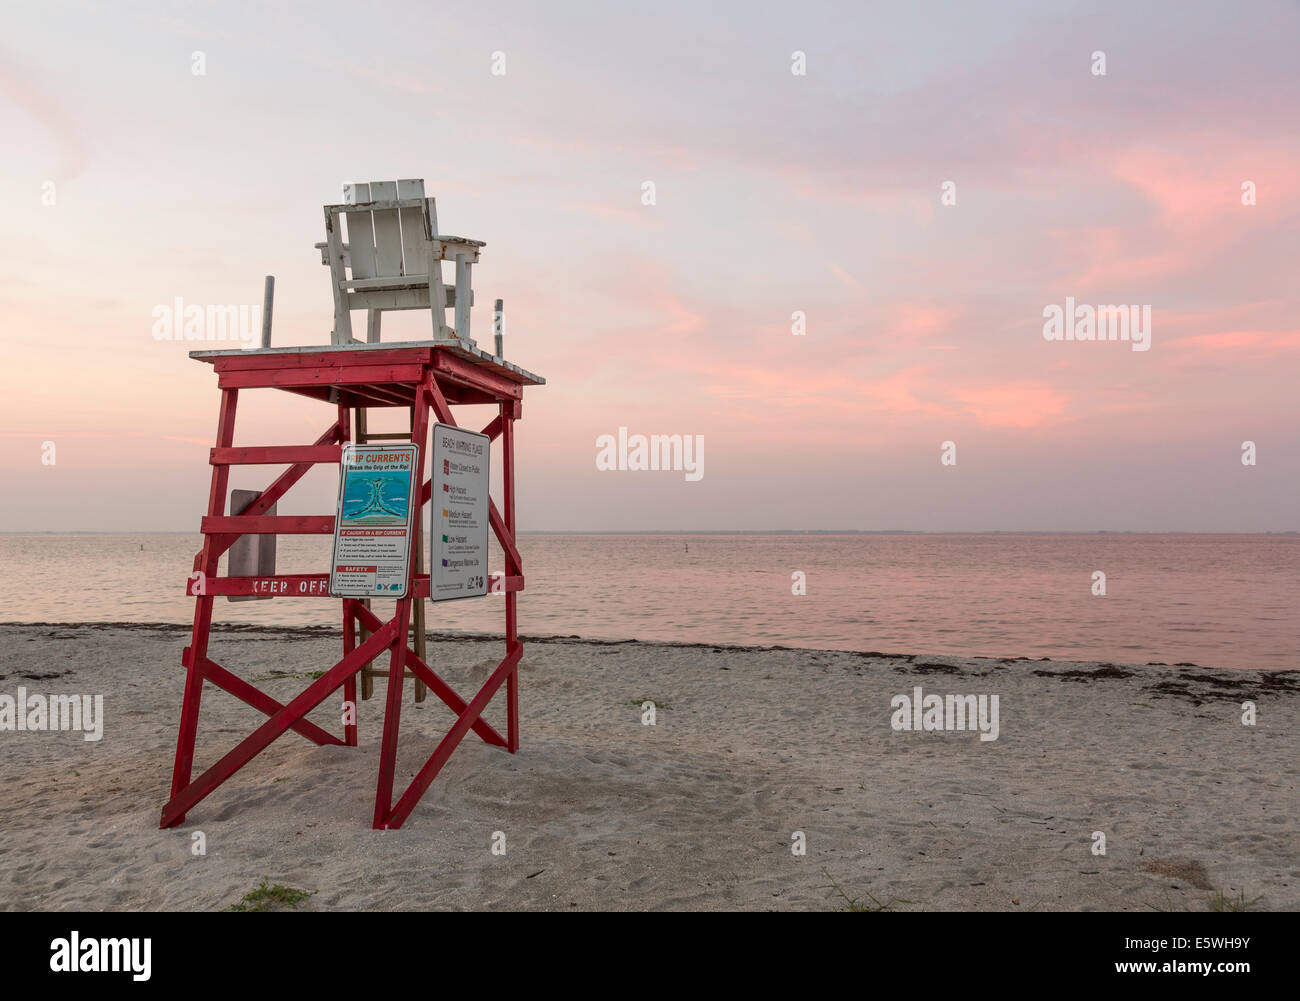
(325, 254)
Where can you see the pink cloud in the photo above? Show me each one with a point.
(1013, 405)
(1252, 342)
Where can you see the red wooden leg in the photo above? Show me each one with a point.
(512, 619)
(397, 657)
(392, 715)
(349, 619)
(512, 706)
(189, 726)
(206, 563)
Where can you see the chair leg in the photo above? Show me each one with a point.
(437, 294)
(462, 297)
(392, 714)
(342, 333)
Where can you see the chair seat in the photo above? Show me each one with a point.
(389, 284)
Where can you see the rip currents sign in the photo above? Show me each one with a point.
(375, 521)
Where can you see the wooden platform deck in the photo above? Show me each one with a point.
(372, 375)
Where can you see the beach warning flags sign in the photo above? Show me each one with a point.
(458, 537)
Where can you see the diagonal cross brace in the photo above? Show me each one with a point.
(256, 742)
(439, 687)
(255, 697)
(448, 743)
(216, 545)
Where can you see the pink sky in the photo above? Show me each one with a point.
(776, 193)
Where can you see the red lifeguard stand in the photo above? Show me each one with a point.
(428, 377)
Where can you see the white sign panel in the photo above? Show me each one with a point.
(458, 514)
(375, 521)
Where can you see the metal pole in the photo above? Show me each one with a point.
(268, 304)
(499, 324)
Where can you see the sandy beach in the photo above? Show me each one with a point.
(698, 811)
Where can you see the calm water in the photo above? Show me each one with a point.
(1214, 600)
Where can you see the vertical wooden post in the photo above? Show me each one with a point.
(350, 686)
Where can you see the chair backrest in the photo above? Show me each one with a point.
(389, 242)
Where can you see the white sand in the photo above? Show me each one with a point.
(602, 812)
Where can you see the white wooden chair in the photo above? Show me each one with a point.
(392, 259)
